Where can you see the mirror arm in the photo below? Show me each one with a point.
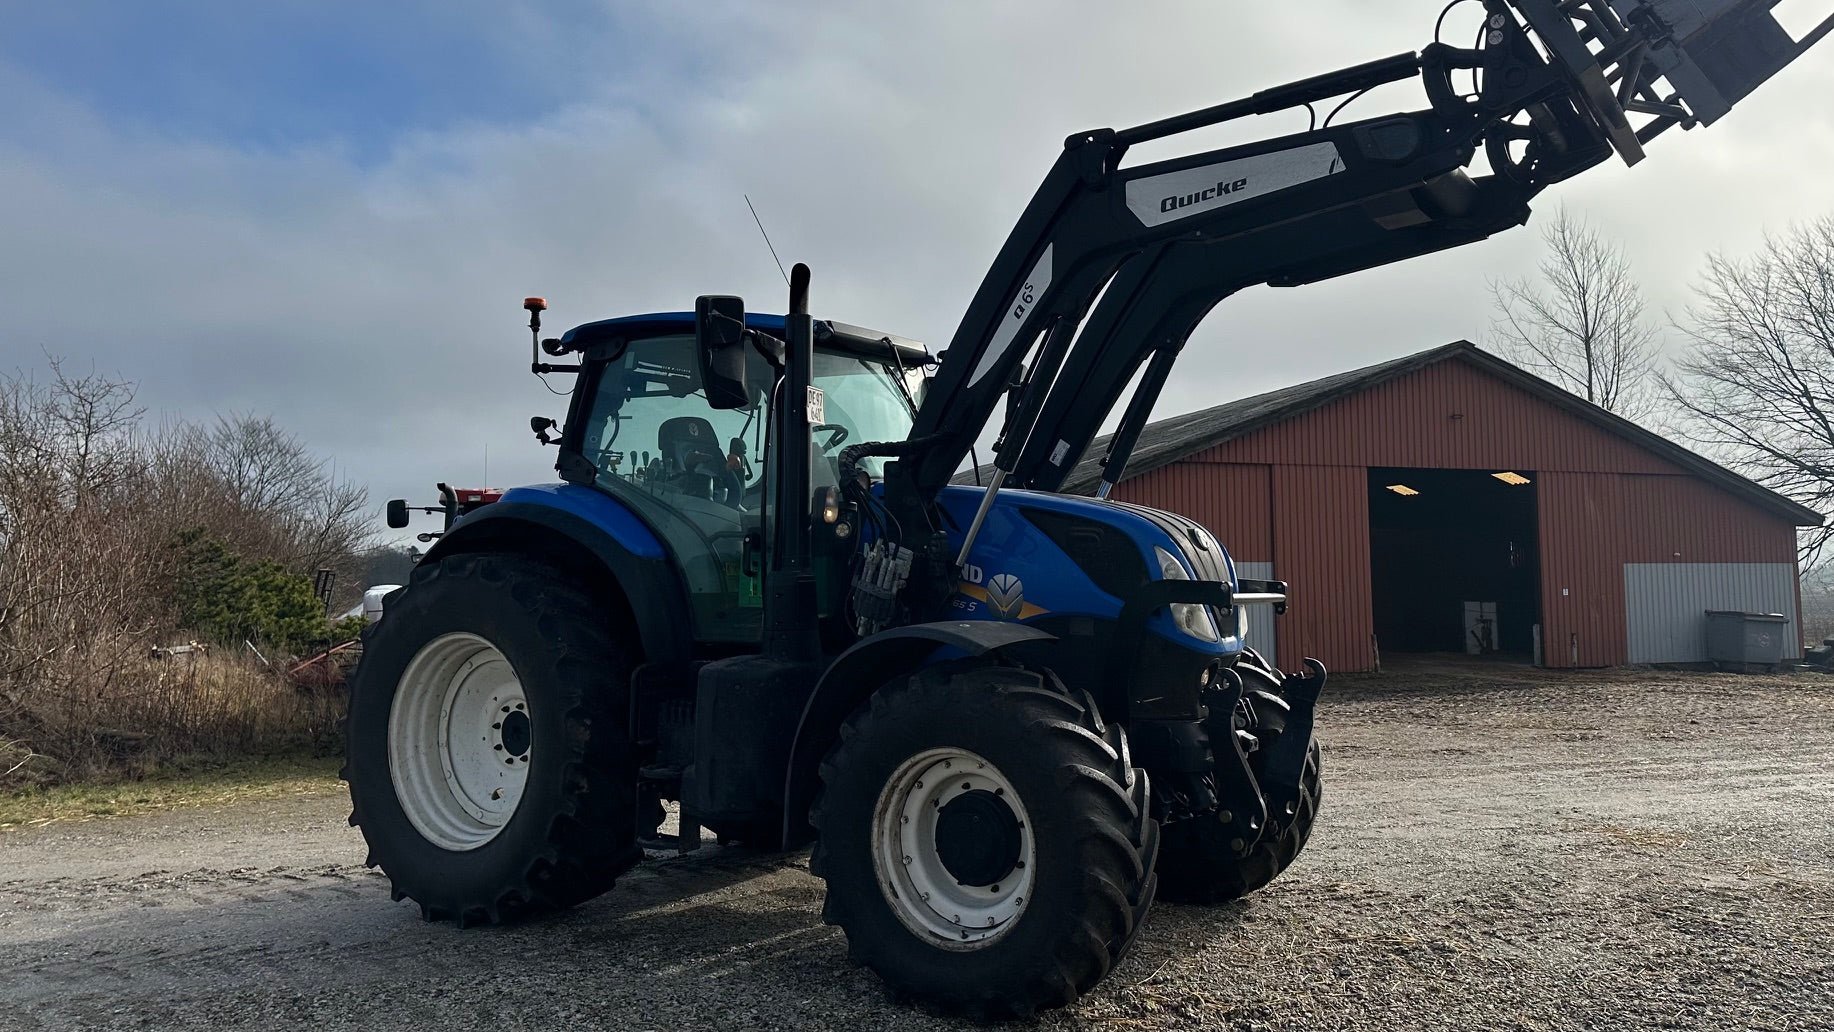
(770, 347)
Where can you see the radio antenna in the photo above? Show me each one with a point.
(767, 238)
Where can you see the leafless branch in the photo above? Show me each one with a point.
(1582, 325)
(1756, 385)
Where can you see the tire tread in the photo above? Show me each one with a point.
(1117, 835)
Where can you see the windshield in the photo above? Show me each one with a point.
(863, 396)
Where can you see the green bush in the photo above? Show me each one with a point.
(230, 599)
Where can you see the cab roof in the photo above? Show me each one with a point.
(828, 333)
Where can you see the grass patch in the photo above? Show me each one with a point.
(178, 785)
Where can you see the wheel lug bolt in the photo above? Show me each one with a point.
(904, 820)
(506, 709)
(907, 861)
(497, 726)
(999, 791)
(996, 888)
(964, 786)
(498, 747)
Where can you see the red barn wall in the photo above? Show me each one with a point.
(1295, 495)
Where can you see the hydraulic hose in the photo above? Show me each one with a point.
(851, 455)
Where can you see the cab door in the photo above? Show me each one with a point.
(693, 473)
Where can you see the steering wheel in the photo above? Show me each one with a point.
(839, 431)
(705, 462)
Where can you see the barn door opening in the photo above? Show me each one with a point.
(1453, 561)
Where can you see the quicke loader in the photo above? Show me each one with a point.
(1007, 719)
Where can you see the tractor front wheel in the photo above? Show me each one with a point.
(489, 767)
(986, 840)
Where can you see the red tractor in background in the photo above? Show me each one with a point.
(453, 502)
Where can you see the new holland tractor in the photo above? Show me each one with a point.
(1006, 719)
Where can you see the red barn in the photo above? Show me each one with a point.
(1452, 502)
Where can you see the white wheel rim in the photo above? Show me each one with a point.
(918, 885)
(459, 742)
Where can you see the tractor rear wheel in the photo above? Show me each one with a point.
(986, 839)
(489, 767)
(1198, 863)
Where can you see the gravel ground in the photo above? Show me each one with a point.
(1498, 849)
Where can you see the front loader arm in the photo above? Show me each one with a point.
(1561, 85)
(1185, 279)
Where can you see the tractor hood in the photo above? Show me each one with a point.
(1042, 555)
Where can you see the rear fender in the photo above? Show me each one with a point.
(585, 533)
(852, 678)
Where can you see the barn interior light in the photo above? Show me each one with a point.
(1403, 490)
(1512, 479)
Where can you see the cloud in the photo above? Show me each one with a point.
(368, 295)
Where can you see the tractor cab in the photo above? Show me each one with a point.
(642, 429)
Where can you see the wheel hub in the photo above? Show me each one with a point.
(955, 856)
(514, 733)
(977, 838)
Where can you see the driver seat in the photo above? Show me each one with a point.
(685, 440)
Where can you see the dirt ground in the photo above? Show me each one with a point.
(1498, 849)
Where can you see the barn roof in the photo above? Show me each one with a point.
(1166, 441)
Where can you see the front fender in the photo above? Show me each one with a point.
(852, 678)
(582, 531)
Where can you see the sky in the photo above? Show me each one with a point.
(330, 212)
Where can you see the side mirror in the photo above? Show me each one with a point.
(719, 338)
(397, 513)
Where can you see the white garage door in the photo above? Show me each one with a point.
(1260, 618)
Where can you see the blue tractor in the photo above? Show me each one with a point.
(1006, 719)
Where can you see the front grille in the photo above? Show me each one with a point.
(1199, 546)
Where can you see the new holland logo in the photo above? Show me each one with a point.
(1221, 189)
(1003, 595)
(1006, 594)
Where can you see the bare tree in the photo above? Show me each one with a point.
(1582, 325)
(1756, 385)
(96, 513)
(259, 490)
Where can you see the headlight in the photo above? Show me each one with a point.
(1241, 624)
(1191, 617)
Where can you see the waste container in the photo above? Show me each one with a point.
(1741, 641)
